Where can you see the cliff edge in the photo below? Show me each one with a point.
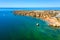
(51, 16)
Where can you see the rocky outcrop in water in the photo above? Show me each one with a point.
(51, 16)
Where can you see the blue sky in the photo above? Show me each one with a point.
(29, 3)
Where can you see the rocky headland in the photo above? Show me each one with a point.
(51, 16)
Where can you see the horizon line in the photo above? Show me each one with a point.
(29, 7)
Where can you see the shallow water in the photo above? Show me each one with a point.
(16, 27)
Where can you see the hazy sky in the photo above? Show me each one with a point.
(29, 3)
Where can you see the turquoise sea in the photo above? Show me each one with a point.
(17, 27)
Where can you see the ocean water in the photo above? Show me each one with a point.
(17, 27)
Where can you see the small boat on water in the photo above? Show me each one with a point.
(37, 24)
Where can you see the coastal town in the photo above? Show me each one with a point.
(51, 16)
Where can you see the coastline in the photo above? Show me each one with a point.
(47, 15)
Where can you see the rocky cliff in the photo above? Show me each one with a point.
(51, 16)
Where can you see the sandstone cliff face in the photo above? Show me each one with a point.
(48, 15)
